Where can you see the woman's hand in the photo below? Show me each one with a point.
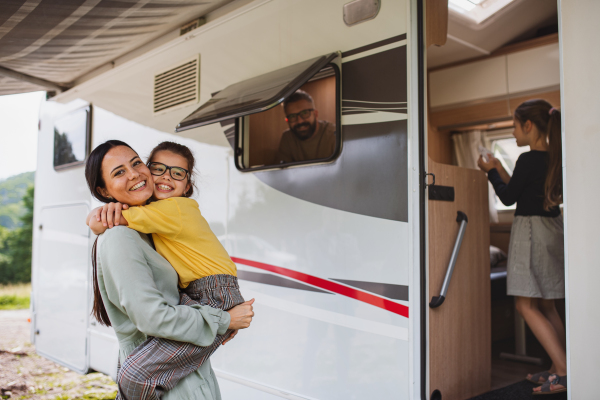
(487, 166)
(241, 315)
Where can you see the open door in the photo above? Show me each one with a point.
(459, 327)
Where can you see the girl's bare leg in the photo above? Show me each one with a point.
(548, 308)
(544, 331)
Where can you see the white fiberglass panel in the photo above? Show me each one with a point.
(61, 301)
(318, 344)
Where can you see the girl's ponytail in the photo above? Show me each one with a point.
(553, 185)
(547, 120)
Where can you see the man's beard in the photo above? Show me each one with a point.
(305, 134)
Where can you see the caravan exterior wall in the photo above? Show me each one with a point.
(327, 250)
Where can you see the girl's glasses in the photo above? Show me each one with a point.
(159, 169)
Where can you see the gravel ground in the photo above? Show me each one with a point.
(25, 375)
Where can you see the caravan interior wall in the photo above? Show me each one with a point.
(326, 249)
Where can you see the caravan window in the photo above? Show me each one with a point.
(71, 138)
(301, 130)
(267, 134)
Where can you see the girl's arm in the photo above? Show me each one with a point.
(509, 192)
(105, 217)
(501, 171)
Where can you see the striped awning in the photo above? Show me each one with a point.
(49, 44)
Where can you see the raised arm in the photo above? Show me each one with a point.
(102, 218)
(509, 192)
(131, 287)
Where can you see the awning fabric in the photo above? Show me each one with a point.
(255, 94)
(61, 40)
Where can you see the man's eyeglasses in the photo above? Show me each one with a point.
(159, 169)
(304, 114)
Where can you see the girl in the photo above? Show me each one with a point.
(206, 273)
(535, 273)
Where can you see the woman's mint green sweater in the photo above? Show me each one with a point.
(139, 290)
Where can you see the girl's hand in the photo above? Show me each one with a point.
(230, 337)
(110, 214)
(241, 315)
(487, 166)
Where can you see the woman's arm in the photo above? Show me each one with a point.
(131, 287)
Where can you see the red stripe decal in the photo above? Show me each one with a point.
(330, 286)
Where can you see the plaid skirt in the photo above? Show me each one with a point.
(536, 258)
(157, 365)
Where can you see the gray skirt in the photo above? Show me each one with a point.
(536, 258)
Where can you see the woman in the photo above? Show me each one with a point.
(135, 289)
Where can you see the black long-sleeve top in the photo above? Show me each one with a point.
(526, 186)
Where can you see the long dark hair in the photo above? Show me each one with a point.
(93, 176)
(182, 151)
(547, 120)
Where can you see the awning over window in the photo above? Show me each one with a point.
(256, 94)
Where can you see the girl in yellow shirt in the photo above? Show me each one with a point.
(206, 273)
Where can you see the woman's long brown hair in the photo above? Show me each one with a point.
(93, 176)
(547, 120)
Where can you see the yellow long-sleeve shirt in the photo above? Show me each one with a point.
(183, 237)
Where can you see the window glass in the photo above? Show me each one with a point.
(71, 134)
(303, 129)
(507, 151)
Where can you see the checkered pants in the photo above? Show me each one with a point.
(157, 365)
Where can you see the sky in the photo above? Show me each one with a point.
(19, 115)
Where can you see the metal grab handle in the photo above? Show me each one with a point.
(437, 301)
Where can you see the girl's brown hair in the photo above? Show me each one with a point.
(93, 176)
(184, 152)
(547, 120)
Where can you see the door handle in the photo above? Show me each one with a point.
(437, 301)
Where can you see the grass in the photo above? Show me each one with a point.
(15, 297)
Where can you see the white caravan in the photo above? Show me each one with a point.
(346, 255)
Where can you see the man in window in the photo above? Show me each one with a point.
(308, 138)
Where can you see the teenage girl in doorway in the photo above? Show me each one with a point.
(535, 273)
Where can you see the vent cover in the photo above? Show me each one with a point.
(177, 87)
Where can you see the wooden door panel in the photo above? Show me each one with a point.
(460, 329)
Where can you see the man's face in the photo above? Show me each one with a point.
(302, 123)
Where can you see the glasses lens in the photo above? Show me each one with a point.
(178, 173)
(305, 113)
(292, 117)
(157, 169)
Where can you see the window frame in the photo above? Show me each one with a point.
(241, 124)
(88, 135)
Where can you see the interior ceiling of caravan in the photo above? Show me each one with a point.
(51, 44)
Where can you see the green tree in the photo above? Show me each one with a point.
(15, 246)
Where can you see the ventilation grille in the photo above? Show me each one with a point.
(177, 87)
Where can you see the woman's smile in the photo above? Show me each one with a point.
(138, 186)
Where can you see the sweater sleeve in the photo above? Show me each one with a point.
(162, 217)
(131, 287)
(509, 193)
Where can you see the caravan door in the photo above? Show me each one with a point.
(61, 255)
